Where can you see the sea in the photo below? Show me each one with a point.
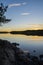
(32, 44)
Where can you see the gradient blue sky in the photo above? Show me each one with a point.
(24, 13)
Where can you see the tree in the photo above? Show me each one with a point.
(3, 19)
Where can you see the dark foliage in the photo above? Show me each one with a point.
(29, 32)
(3, 19)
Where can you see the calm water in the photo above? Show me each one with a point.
(27, 43)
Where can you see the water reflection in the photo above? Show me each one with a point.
(29, 43)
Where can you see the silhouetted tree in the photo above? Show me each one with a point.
(3, 19)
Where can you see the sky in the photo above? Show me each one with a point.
(24, 14)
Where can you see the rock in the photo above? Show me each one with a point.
(7, 54)
(10, 54)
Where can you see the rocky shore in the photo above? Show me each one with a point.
(11, 54)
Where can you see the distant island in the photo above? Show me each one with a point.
(26, 32)
(29, 32)
(3, 32)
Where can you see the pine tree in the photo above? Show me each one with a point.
(3, 19)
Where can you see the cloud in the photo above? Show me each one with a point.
(24, 14)
(17, 4)
(24, 3)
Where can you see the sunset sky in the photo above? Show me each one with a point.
(25, 14)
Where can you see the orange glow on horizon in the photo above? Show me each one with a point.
(29, 27)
